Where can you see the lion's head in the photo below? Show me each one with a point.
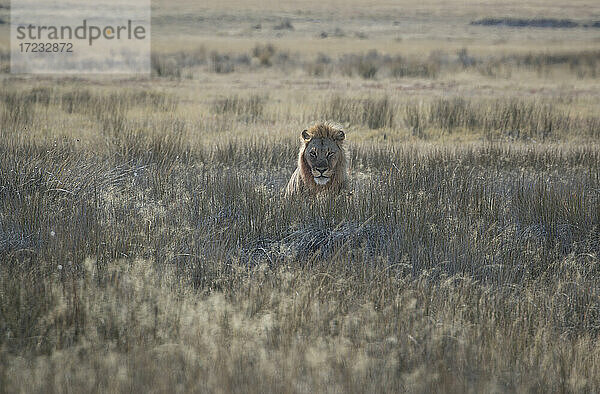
(321, 161)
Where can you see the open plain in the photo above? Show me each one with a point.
(145, 245)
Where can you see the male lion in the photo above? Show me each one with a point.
(321, 162)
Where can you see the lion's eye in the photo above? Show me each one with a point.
(313, 153)
(330, 154)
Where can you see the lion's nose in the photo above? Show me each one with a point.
(321, 169)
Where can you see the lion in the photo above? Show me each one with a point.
(321, 162)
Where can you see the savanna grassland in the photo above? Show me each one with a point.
(145, 245)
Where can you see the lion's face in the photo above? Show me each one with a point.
(322, 156)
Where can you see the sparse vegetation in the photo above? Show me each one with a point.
(251, 108)
(285, 24)
(145, 244)
(508, 117)
(583, 64)
(374, 113)
(533, 22)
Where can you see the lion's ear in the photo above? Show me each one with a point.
(340, 135)
(305, 135)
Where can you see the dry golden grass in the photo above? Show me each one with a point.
(145, 245)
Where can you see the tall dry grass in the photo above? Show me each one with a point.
(139, 258)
